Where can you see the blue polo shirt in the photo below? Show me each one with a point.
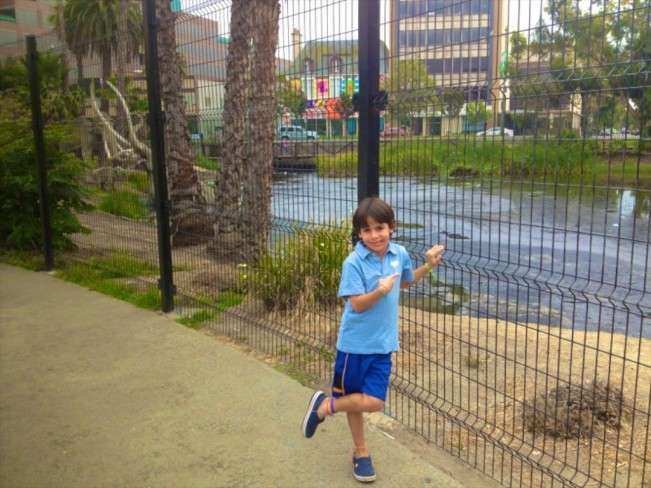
(374, 331)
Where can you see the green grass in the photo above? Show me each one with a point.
(100, 274)
(476, 157)
(228, 299)
(120, 265)
(197, 319)
(628, 173)
(86, 275)
(124, 203)
(224, 301)
(207, 163)
(33, 261)
(139, 181)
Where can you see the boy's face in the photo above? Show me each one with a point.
(376, 235)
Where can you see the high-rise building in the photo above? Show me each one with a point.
(460, 41)
(19, 18)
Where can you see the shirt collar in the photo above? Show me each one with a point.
(364, 251)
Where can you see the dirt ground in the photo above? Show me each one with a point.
(461, 382)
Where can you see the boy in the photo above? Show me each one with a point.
(369, 327)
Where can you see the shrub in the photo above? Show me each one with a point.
(304, 269)
(20, 226)
(577, 410)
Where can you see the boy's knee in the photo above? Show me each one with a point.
(373, 404)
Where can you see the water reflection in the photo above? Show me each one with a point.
(529, 251)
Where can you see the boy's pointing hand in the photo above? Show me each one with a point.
(386, 284)
(435, 255)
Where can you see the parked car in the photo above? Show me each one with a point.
(394, 132)
(608, 132)
(496, 132)
(296, 133)
(630, 131)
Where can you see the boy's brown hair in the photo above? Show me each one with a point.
(377, 209)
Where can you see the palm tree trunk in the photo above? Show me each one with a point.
(121, 59)
(228, 239)
(80, 67)
(188, 225)
(256, 216)
(106, 74)
(105, 180)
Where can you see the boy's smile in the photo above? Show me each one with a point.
(376, 236)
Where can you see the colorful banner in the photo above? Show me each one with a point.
(296, 85)
(322, 87)
(350, 84)
(328, 87)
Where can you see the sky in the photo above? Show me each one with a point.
(337, 19)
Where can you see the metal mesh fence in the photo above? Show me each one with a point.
(516, 133)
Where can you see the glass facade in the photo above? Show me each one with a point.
(442, 37)
(457, 65)
(411, 8)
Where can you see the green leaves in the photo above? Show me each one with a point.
(20, 227)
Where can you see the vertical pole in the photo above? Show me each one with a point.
(39, 146)
(368, 149)
(156, 131)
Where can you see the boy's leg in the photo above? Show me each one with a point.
(354, 403)
(356, 425)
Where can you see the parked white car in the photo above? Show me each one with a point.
(296, 133)
(495, 132)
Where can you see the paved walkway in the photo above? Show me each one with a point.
(96, 392)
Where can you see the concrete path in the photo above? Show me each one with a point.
(95, 392)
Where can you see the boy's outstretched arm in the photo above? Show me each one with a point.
(433, 258)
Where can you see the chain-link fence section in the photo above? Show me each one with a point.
(516, 133)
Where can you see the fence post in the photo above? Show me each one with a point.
(39, 146)
(368, 146)
(156, 133)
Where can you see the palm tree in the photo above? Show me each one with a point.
(187, 218)
(69, 36)
(228, 236)
(90, 27)
(256, 215)
(121, 57)
(97, 23)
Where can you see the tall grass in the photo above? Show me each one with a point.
(303, 269)
(474, 157)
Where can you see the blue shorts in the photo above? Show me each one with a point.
(361, 373)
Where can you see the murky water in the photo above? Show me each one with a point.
(563, 255)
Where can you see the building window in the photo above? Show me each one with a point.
(442, 37)
(457, 65)
(414, 8)
(7, 15)
(308, 65)
(8, 37)
(335, 64)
